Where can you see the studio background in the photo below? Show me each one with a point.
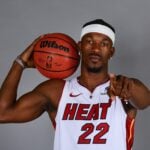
(21, 21)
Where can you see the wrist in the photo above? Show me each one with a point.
(20, 62)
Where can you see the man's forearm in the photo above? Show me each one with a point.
(140, 94)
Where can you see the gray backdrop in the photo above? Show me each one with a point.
(21, 21)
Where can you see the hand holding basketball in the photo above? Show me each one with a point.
(56, 55)
(27, 55)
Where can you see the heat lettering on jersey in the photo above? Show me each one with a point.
(75, 111)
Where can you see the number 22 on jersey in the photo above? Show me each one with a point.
(88, 129)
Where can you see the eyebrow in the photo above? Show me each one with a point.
(106, 39)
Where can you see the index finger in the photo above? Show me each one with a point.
(111, 90)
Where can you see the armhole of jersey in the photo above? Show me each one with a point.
(130, 124)
(64, 93)
(128, 106)
(129, 127)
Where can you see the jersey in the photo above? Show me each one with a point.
(91, 121)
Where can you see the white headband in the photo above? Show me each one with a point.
(99, 29)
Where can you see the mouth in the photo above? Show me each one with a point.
(95, 58)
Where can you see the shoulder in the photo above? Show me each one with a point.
(51, 85)
(52, 90)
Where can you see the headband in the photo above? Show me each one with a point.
(99, 29)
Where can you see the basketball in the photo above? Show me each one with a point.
(56, 55)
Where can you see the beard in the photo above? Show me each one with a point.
(95, 69)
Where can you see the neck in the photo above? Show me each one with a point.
(92, 80)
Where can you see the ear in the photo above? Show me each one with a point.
(79, 45)
(112, 52)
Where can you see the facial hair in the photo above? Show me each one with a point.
(94, 69)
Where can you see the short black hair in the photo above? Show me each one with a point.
(99, 21)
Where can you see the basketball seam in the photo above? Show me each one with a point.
(56, 54)
(58, 70)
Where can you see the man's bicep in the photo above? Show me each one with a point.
(28, 107)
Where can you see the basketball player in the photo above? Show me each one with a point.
(93, 111)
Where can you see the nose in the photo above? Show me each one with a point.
(96, 47)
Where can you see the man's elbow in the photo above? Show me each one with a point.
(144, 105)
(4, 117)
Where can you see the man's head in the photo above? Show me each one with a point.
(97, 45)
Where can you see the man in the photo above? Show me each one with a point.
(93, 111)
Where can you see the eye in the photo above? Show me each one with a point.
(105, 44)
(89, 41)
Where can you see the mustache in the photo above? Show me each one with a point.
(95, 54)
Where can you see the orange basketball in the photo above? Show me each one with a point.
(56, 55)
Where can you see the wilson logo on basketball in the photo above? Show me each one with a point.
(53, 44)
